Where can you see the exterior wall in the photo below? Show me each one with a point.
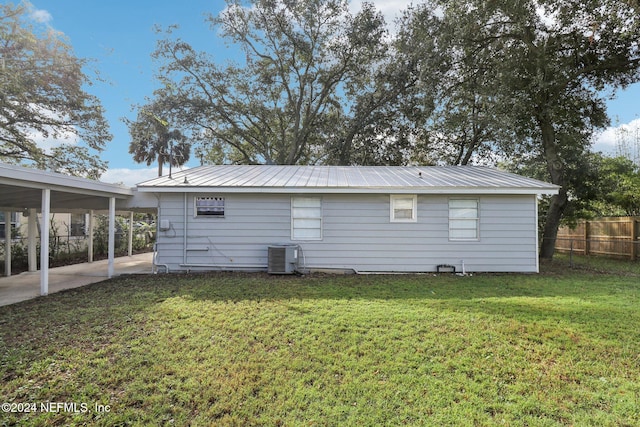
(357, 234)
(60, 221)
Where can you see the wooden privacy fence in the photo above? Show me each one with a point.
(617, 237)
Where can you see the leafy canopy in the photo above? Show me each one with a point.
(152, 139)
(537, 69)
(43, 96)
(308, 86)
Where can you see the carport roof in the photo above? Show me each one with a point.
(21, 188)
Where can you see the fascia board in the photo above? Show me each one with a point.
(56, 182)
(349, 190)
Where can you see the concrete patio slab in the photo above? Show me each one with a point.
(25, 286)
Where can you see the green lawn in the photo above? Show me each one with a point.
(559, 348)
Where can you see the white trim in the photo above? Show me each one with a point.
(44, 241)
(112, 236)
(470, 191)
(537, 237)
(293, 238)
(32, 230)
(476, 219)
(216, 197)
(414, 207)
(35, 178)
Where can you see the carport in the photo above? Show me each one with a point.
(33, 191)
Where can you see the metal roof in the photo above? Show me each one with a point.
(21, 188)
(347, 179)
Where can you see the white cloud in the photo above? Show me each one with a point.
(129, 177)
(618, 139)
(41, 16)
(54, 136)
(390, 9)
(47, 143)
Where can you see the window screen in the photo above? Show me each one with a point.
(306, 218)
(463, 219)
(404, 208)
(210, 206)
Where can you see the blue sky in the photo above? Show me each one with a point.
(118, 36)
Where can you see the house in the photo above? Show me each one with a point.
(72, 227)
(29, 190)
(361, 219)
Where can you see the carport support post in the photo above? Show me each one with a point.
(90, 232)
(131, 233)
(44, 242)
(7, 244)
(32, 230)
(112, 235)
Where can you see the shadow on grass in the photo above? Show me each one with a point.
(138, 323)
(237, 287)
(131, 294)
(581, 297)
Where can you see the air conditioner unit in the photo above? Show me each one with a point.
(282, 259)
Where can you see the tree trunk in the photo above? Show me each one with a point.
(558, 203)
(160, 162)
(552, 222)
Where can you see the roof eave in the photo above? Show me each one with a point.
(39, 179)
(351, 190)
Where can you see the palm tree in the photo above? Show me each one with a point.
(151, 140)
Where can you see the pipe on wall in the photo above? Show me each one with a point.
(185, 229)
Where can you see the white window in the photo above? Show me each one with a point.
(13, 220)
(209, 206)
(306, 218)
(404, 208)
(78, 223)
(463, 219)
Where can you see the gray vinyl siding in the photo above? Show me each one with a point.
(357, 234)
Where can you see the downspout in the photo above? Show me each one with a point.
(155, 245)
(537, 255)
(184, 237)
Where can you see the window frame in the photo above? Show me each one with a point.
(14, 221)
(196, 214)
(77, 228)
(452, 219)
(294, 218)
(414, 208)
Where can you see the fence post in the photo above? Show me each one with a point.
(571, 253)
(634, 238)
(587, 231)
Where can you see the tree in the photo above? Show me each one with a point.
(599, 185)
(466, 122)
(152, 139)
(394, 99)
(619, 189)
(546, 64)
(305, 92)
(628, 141)
(42, 95)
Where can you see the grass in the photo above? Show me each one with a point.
(597, 263)
(559, 348)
